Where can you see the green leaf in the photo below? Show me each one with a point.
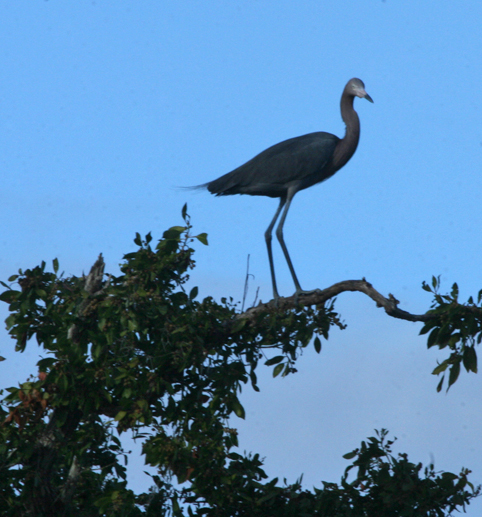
(175, 506)
(138, 239)
(350, 455)
(455, 292)
(184, 211)
(426, 287)
(470, 359)
(253, 377)
(288, 369)
(274, 360)
(317, 344)
(238, 409)
(428, 326)
(120, 415)
(10, 321)
(96, 351)
(203, 237)
(2, 358)
(55, 264)
(278, 369)
(173, 233)
(449, 476)
(194, 292)
(432, 338)
(47, 363)
(443, 335)
(440, 368)
(454, 373)
(9, 296)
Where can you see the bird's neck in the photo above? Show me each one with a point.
(348, 144)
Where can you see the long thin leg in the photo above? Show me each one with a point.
(268, 238)
(279, 234)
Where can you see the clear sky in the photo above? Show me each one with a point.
(105, 106)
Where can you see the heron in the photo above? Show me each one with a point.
(295, 164)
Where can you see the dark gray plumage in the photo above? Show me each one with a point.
(293, 165)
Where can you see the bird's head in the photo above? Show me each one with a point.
(356, 88)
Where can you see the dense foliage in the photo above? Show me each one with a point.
(136, 353)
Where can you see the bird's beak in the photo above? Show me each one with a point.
(367, 97)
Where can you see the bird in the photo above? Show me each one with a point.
(295, 164)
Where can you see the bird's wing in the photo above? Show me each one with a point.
(299, 160)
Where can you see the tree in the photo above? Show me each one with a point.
(138, 353)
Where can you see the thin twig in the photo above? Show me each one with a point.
(246, 282)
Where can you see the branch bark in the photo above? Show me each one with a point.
(320, 296)
(94, 283)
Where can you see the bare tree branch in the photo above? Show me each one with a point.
(93, 285)
(320, 296)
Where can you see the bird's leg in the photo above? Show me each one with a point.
(268, 238)
(279, 234)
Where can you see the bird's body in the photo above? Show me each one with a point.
(293, 165)
(298, 162)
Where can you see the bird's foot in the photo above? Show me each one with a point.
(300, 293)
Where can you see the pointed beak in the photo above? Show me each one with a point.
(367, 97)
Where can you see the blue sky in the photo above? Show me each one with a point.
(106, 106)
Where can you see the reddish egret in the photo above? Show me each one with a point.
(295, 164)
